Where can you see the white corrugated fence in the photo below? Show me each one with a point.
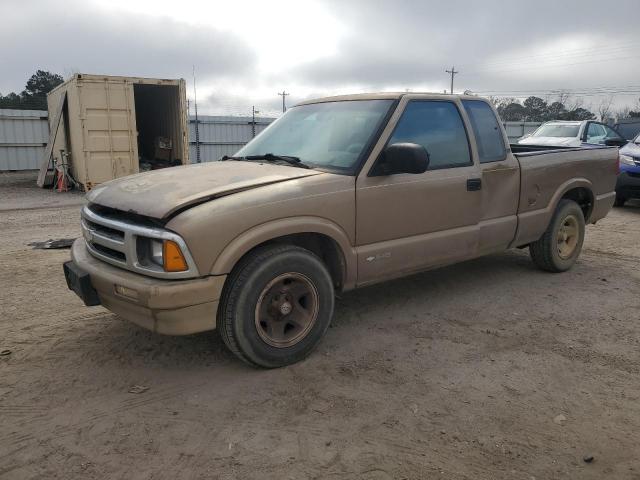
(23, 138)
(24, 135)
(221, 136)
(515, 130)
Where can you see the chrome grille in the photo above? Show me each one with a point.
(115, 242)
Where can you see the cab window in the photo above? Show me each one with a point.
(438, 127)
(595, 133)
(487, 131)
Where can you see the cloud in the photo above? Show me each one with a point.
(245, 53)
(411, 43)
(83, 38)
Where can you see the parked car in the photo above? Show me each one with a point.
(338, 193)
(629, 128)
(560, 133)
(628, 184)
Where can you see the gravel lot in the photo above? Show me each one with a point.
(488, 369)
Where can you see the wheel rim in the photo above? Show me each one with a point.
(287, 310)
(568, 236)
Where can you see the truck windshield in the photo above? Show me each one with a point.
(331, 135)
(557, 130)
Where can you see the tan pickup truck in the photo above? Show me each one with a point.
(338, 193)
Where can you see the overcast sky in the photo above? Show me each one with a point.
(246, 51)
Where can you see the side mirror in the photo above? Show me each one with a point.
(402, 158)
(615, 142)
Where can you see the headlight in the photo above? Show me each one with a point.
(627, 160)
(165, 254)
(155, 252)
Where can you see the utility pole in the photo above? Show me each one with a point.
(452, 72)
(253, 120)
(195, 105)
(283, 94)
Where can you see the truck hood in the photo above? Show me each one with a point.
(551, 141)
(161, 193)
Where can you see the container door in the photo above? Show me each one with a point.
(184, 121)
(109, 130)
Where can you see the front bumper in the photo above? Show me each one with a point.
(628, 184)
(171, 307)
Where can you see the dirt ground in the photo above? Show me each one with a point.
(489, 369)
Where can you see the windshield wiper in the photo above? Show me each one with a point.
(228, 157)
(270, 157)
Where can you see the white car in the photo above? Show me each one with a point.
(561, 133)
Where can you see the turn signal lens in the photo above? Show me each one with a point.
(173, 259)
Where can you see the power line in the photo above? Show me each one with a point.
(453, 73)
(253, 121)
(578, 92)
(559, 92)
(283, 94)
(558, 65)
(587, 52)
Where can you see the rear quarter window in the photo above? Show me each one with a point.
(487, 131)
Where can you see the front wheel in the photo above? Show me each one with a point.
(276, 306)
(560, 245)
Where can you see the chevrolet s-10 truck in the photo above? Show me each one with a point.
(337, 194)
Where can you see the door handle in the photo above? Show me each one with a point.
(474, 184)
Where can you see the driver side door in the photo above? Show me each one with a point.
(410, 222)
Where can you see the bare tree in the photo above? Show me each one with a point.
(573, 103)
(620, 113)
(604, 108)
(563, 97)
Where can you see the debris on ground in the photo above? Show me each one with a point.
(52, 244)
(138, 389)
(4, 353)
(559, 419)
(63, 374)
(588, 458)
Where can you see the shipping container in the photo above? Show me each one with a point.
(116, 126)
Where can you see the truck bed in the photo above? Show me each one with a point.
(548, 172)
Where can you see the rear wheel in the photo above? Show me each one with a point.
(560, 245)
(276, 306)
(619, 201)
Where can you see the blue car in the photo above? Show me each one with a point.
(628, 184)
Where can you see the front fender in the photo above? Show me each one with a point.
(264, 232)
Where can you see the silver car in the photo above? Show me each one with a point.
(562, 133)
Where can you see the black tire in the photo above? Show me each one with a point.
(545, 252)
(619, 201)
(245, 287)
